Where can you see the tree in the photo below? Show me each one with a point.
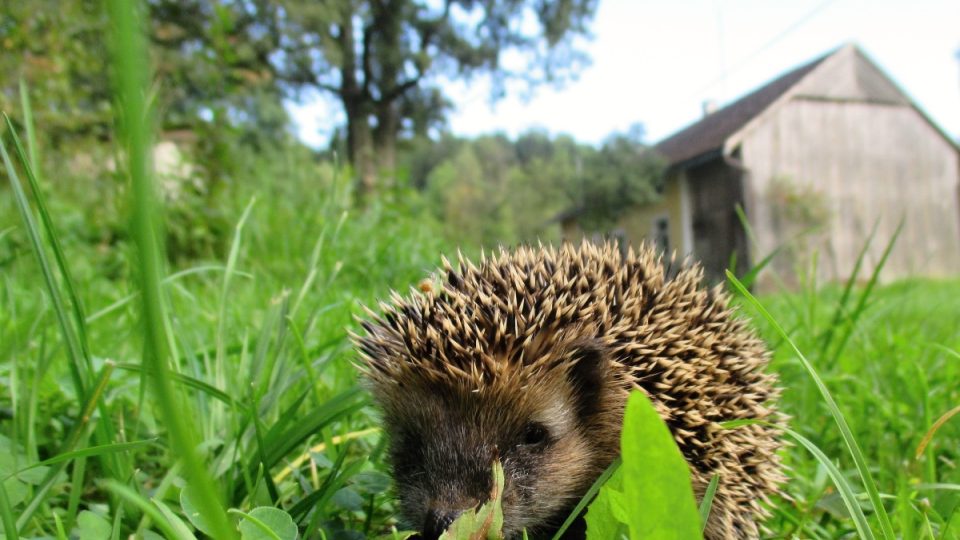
(621, 175)
(211, 64)
(57, 49)
(386, 60)
(492, 190)
(465, 199)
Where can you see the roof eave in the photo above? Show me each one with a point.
(698, 159)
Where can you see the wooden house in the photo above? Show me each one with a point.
(818, 159)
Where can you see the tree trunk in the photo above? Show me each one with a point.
(385, 47)
(385, 140)
(356, 103)
(360, 147)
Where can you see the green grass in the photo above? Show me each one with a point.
(137, 398)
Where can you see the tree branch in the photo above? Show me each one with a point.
(365, 60)
(401, 88)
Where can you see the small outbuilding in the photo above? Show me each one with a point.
(818, 160)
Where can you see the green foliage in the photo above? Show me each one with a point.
(92, 527)
(58, 49)
(383, 62)
(623, 174)
(468, 201)
(650, 496)
(267, 523)
(281, 353)
(496, 191)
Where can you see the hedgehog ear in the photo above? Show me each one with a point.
(587, 373)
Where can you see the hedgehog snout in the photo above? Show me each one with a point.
(437, 521)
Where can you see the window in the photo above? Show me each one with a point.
(661, 233)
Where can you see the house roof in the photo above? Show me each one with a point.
(709, 134)
(848, 76)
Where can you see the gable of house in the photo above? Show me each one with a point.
(821, 126)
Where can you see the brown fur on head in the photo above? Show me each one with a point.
(542, 425)
(529, 358)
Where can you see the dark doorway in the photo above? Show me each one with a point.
(719, 239)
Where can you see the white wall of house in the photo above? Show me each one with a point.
(867, 162)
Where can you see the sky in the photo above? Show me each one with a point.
(656, 62)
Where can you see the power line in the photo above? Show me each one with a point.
(766, 46)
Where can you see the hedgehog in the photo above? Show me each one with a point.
(528, 358)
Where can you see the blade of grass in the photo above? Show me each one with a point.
(751, 235)
(61, 533)
(158, 518)
(841, 483)
(266, 363)
(85, 452)
(75, 335)
(106, 310)
(78, 434)
(129, 55)
(117, 520)
(79, 364)
(706, 504)
(76, 491)
(336, 408)
(231, 266)
(938, 486)
(311, 501)
(28, 125)
(588, 497)
(754, 271)
(6, 514)
(855, 452)
(159, 493)
(52, 236)
(862, 301)
(304, 359)
(188, 381)
(928, 436)
(268, 479)
(340, 480)
(320, 447)
(847, 290)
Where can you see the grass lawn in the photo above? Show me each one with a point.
(262, 371)
(137, 398)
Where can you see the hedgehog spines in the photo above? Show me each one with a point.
(522, 319)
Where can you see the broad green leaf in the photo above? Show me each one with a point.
(17, 491)
(267, 523)
(486, 523)
(92, 526)
(371, 482)
(187, 502)
(606, 518)
(656, 478)
(348, 499)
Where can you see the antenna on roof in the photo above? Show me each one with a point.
(709, 107)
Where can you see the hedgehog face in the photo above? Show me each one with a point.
(445, 438)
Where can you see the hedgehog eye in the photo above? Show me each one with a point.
(535, 434)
